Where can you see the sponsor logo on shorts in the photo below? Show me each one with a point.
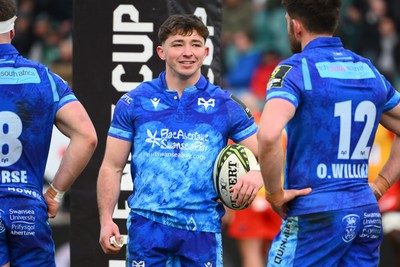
(372, 225)
(288, 229)
(22, 222)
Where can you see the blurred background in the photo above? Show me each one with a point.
(253, 41)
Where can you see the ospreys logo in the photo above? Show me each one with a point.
(278, 76)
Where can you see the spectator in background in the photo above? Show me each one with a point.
(237, 16)
(45, 47)
(352, 23)
(23, 25)
(262, 72)
(63, 64)
(370, 44)
(43, 26)
(241, 60)
(269, 27)
(388, 41)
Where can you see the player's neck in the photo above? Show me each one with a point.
(308, 37)
(179, 82)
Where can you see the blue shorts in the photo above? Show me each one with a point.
(152, 244)
(348, 237)
(25, 235)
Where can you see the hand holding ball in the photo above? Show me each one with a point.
(232, 162)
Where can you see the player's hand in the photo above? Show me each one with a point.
(52, 205)
(107, 231)
(247, 187)
(279, 200)
(379, 186)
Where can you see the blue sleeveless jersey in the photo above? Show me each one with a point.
(339, 98)
(175, 142)
(30, 96)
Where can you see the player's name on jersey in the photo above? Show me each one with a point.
(13, 177)
(24, 191)
(347, 171)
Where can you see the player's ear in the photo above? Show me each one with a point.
(12, 34)
(206, 52)
(297, 27)
(160, 52)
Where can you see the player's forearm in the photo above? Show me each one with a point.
(108, 190)
(75, 159)
(391, 169)
(271, 163)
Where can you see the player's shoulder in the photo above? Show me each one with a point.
(146, 87)
(26, 62)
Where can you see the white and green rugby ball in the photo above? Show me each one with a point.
(232, 162)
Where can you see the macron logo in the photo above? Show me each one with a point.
(155, 102)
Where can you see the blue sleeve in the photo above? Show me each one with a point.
(393, 97)
(285, 83)
(122, 123)
(243, 124)
(62, 92)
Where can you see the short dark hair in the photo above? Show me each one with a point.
(8, 9)
(317, 16)
(182, 24)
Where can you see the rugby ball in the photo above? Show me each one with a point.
(232, 162)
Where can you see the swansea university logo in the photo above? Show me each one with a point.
(350, 224)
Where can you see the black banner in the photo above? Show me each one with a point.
(114, 50)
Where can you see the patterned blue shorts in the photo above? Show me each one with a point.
(348, 237)
(152, 244)
(25, 235)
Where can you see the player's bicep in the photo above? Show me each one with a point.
(251, 143)
(390, 120)
(276, 114)
(72, 119)
(116, 153)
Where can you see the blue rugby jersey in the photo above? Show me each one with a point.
(30, 96)
(339, 98)
(175, 142)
